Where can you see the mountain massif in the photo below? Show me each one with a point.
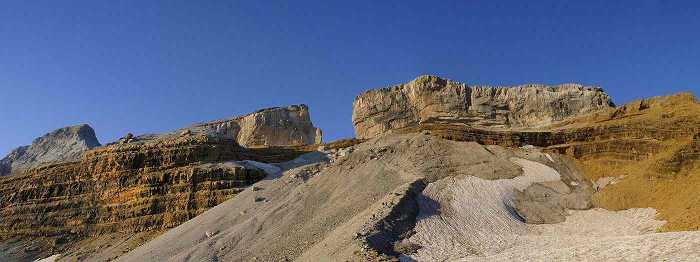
(430, 98)
(439, 171)
(61, 145)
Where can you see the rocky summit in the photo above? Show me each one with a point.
(439, 171)
(277, 126)
(61, 145)
(431, 98)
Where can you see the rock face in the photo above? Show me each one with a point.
(360, 203)
(128, 188)
(430, 98)
(548, 202)
(278, 126)
(652, 143)
(64, 144)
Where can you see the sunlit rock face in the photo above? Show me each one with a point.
(129, 187)
(431, 98)
(277, 126)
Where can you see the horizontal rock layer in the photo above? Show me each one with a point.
(128, 187)
(628, 143)
(650, 147)
(432, 98)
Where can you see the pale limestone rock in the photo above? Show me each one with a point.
(430, 98)
(278, 126)
(63, 144)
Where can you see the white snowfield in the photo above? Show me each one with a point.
(468, 219)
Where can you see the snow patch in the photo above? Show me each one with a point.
(469, 219)
(269, 169)
(53, 258)
(549, 157)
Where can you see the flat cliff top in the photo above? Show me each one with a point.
(434, 99)
(439, 82)
(290, 108)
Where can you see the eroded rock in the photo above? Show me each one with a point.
(60, 145)
(278, 126)
(431, 98)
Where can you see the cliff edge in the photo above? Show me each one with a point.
(431, 98)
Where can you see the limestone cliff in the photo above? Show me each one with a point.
(649, 147)
(60, 145)
(429, 98)
(127, 188)
(278, 126)
(64, 194)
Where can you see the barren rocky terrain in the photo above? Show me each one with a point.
(439, 171)
(60, 145)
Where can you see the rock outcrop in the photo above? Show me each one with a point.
(61, 145)
(651, 143)
(278, 126)
(421, 191)
(128, 188)
(409, 197)
(318, 214)
(430, 98)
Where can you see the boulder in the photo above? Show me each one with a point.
(61, 145)
(431, 98)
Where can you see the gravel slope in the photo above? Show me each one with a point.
(322, 211)
(345, 209)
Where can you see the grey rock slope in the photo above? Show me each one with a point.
(277, 126)
(429, 98)
(63, 144)
(352, 208)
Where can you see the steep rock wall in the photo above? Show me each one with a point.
(649, 147)
(129, 188)
(278, 126)
(429, 98)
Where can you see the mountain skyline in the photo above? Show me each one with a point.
(154, 67)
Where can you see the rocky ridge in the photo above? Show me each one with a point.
(127, 188)
(362, 199)
(431, 98)
(364, 202)
(61, 145)
(141, 184)
(645, 140)
(412, 197)
(277, 126)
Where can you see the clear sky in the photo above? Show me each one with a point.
(153, 66)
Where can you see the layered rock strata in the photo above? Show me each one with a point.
(139, 184)
(430, 98)
(648, 147)
(60, 145)
(356, 207)
(128, 188)
(631, 136)
(278, 126)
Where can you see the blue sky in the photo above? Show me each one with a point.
(153, 66)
